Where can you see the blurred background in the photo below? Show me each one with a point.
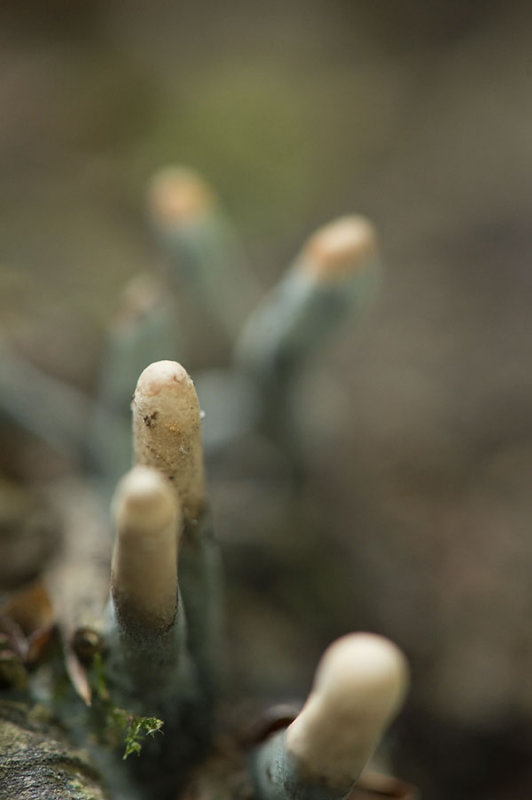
(418, 514)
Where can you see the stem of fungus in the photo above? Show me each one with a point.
(144, 566)
(148, 658)
(167, 436)
(50, 409)
(201, 244)
(335, 274)
(359, 687)
(143, 330)
(167, 432)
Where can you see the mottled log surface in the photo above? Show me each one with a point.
(38, 763)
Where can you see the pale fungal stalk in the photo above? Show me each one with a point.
(55, 412)
(143, 330)
(144, 565)
(201, 245)
(161, 633)
(359, 687)
(167, 436)
(147, 636)
(167, 432)
(335, 273)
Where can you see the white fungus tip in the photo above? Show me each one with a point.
(339, 248)
(359, 686)
(141, 295)
(362, 667)
(162, 375)
(167, 431)
(143, 500)
(144, 566)
(178, 195)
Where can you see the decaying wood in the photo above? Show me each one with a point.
(38, 763)
(78, 581)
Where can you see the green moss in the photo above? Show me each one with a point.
(113, 725)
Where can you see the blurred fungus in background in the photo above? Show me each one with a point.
(417, 115)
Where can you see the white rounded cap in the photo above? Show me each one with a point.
(167, 430)
(339, 248)
(359, 686)
(144, 568)
(178, 195)
(143, 500)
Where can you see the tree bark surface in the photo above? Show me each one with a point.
(38, 763)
